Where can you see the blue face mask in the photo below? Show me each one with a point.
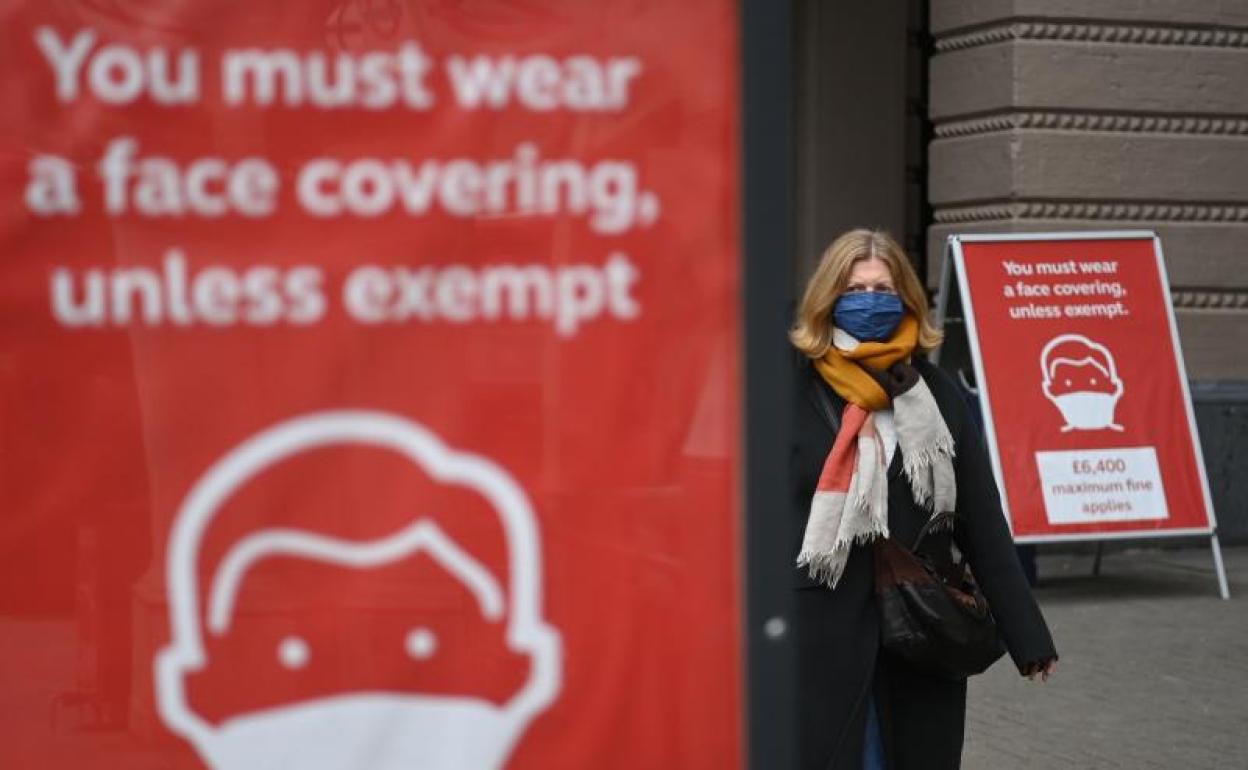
(868, 316)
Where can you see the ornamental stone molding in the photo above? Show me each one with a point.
(1197, 125)
(1210, 299)
(1094, 210)
(1095, 32)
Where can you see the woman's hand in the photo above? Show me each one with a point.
(1042, 669)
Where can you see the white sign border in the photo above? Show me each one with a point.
(955, 261)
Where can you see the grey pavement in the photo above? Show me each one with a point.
(1153, 670)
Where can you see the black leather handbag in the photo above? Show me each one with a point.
(932, 615)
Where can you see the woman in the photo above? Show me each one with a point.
(908, 448)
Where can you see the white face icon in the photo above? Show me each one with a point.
(1081, 380)
(374, 727)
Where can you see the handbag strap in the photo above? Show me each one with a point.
(929, 526)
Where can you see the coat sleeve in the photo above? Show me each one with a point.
(983, 535)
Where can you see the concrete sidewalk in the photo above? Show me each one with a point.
(1153, 670)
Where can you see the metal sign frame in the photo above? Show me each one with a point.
(954, 278)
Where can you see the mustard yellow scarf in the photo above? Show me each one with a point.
(843, 369)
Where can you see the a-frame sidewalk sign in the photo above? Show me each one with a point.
(1071, 340)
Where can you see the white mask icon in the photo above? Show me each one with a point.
(384, 728)
(1081, 379)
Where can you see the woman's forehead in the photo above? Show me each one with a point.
(871, 269)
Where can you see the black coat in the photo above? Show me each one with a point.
(837, 631)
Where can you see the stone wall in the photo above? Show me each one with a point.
(1103, 114)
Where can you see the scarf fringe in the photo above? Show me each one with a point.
(859, 500)
(927, 448)
(827, 567)
(917, 466)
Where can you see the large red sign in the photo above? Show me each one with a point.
(370, 385)
(1086, 405)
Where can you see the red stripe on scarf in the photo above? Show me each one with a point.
(838, 469)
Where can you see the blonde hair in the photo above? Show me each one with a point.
(812, 329)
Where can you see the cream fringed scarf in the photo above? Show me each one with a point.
(850, 505)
